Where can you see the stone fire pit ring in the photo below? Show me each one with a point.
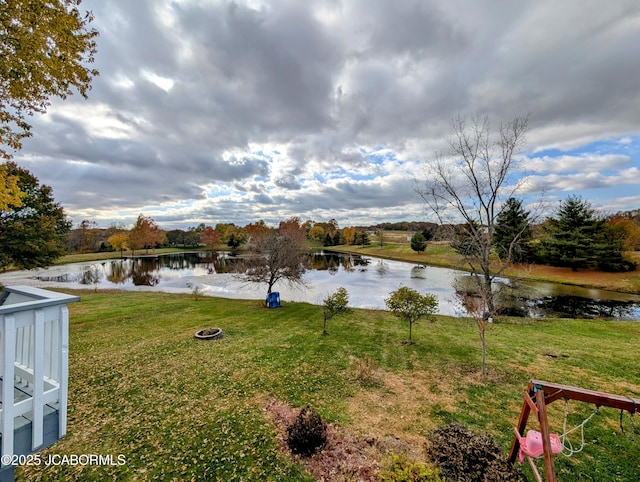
(209, 334)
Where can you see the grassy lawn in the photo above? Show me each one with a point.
(182, 409)
(441, 254)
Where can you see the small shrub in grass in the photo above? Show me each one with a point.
(401, 469)
(307, 433)
(364, 371)
(196, 291)
(462, 455)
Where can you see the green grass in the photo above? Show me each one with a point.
(436, 254)
(443, 255)
(183, 409)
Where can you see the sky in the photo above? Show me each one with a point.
(213, 112)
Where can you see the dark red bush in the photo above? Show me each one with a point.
(307, 433)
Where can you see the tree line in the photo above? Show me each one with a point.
(146, 234)
(34, 231)
(576, 236)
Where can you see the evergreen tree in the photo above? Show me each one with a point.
(577, 238)
(611, 252)
(418, 243)
(32, 233)
(513, 233)
(572, 235)
(362, 238)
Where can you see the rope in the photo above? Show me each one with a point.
(567, 446)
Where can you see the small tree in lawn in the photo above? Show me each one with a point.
(418, 242)
(333, 305)
(409, 305)
(475, 305)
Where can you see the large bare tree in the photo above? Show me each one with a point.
(472, 182)
(281, 254)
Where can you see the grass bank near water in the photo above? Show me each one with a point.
(179, 408)
(443, 255)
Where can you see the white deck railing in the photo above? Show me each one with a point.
(34, 346)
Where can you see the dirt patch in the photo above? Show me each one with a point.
(347, 456)
(344, 457)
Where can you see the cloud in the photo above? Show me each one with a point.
(591, 162)
(215, 111)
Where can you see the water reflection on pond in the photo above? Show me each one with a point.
(368, 280)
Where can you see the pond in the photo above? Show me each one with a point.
(369, 281)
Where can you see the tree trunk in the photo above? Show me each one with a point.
(487, 292)
(484, 350)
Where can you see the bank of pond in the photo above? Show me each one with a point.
(369, 281)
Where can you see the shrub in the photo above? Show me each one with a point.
(401, 469)
(418, 242)
(307, 433)
(462, 455)
(364, 371)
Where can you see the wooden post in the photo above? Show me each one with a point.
(63, 366)
(9, 349)
(522, 424)
(37, 424)
(544, 429)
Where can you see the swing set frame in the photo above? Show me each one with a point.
(538, 395)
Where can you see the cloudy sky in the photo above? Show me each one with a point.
(217, 111)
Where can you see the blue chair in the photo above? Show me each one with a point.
(273, 299)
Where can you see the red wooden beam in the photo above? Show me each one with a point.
(555, 391)
(544, 430)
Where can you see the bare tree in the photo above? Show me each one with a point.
(473, 181)
(281, 255)
(474, 304)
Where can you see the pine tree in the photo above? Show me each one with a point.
(578, 239)
(418, 243)
(572, 235)
(513, 233)
(33, 232)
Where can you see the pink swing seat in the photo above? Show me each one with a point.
(532, 446)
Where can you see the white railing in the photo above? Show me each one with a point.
(34, 347)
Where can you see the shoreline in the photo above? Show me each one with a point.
(626, 282)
